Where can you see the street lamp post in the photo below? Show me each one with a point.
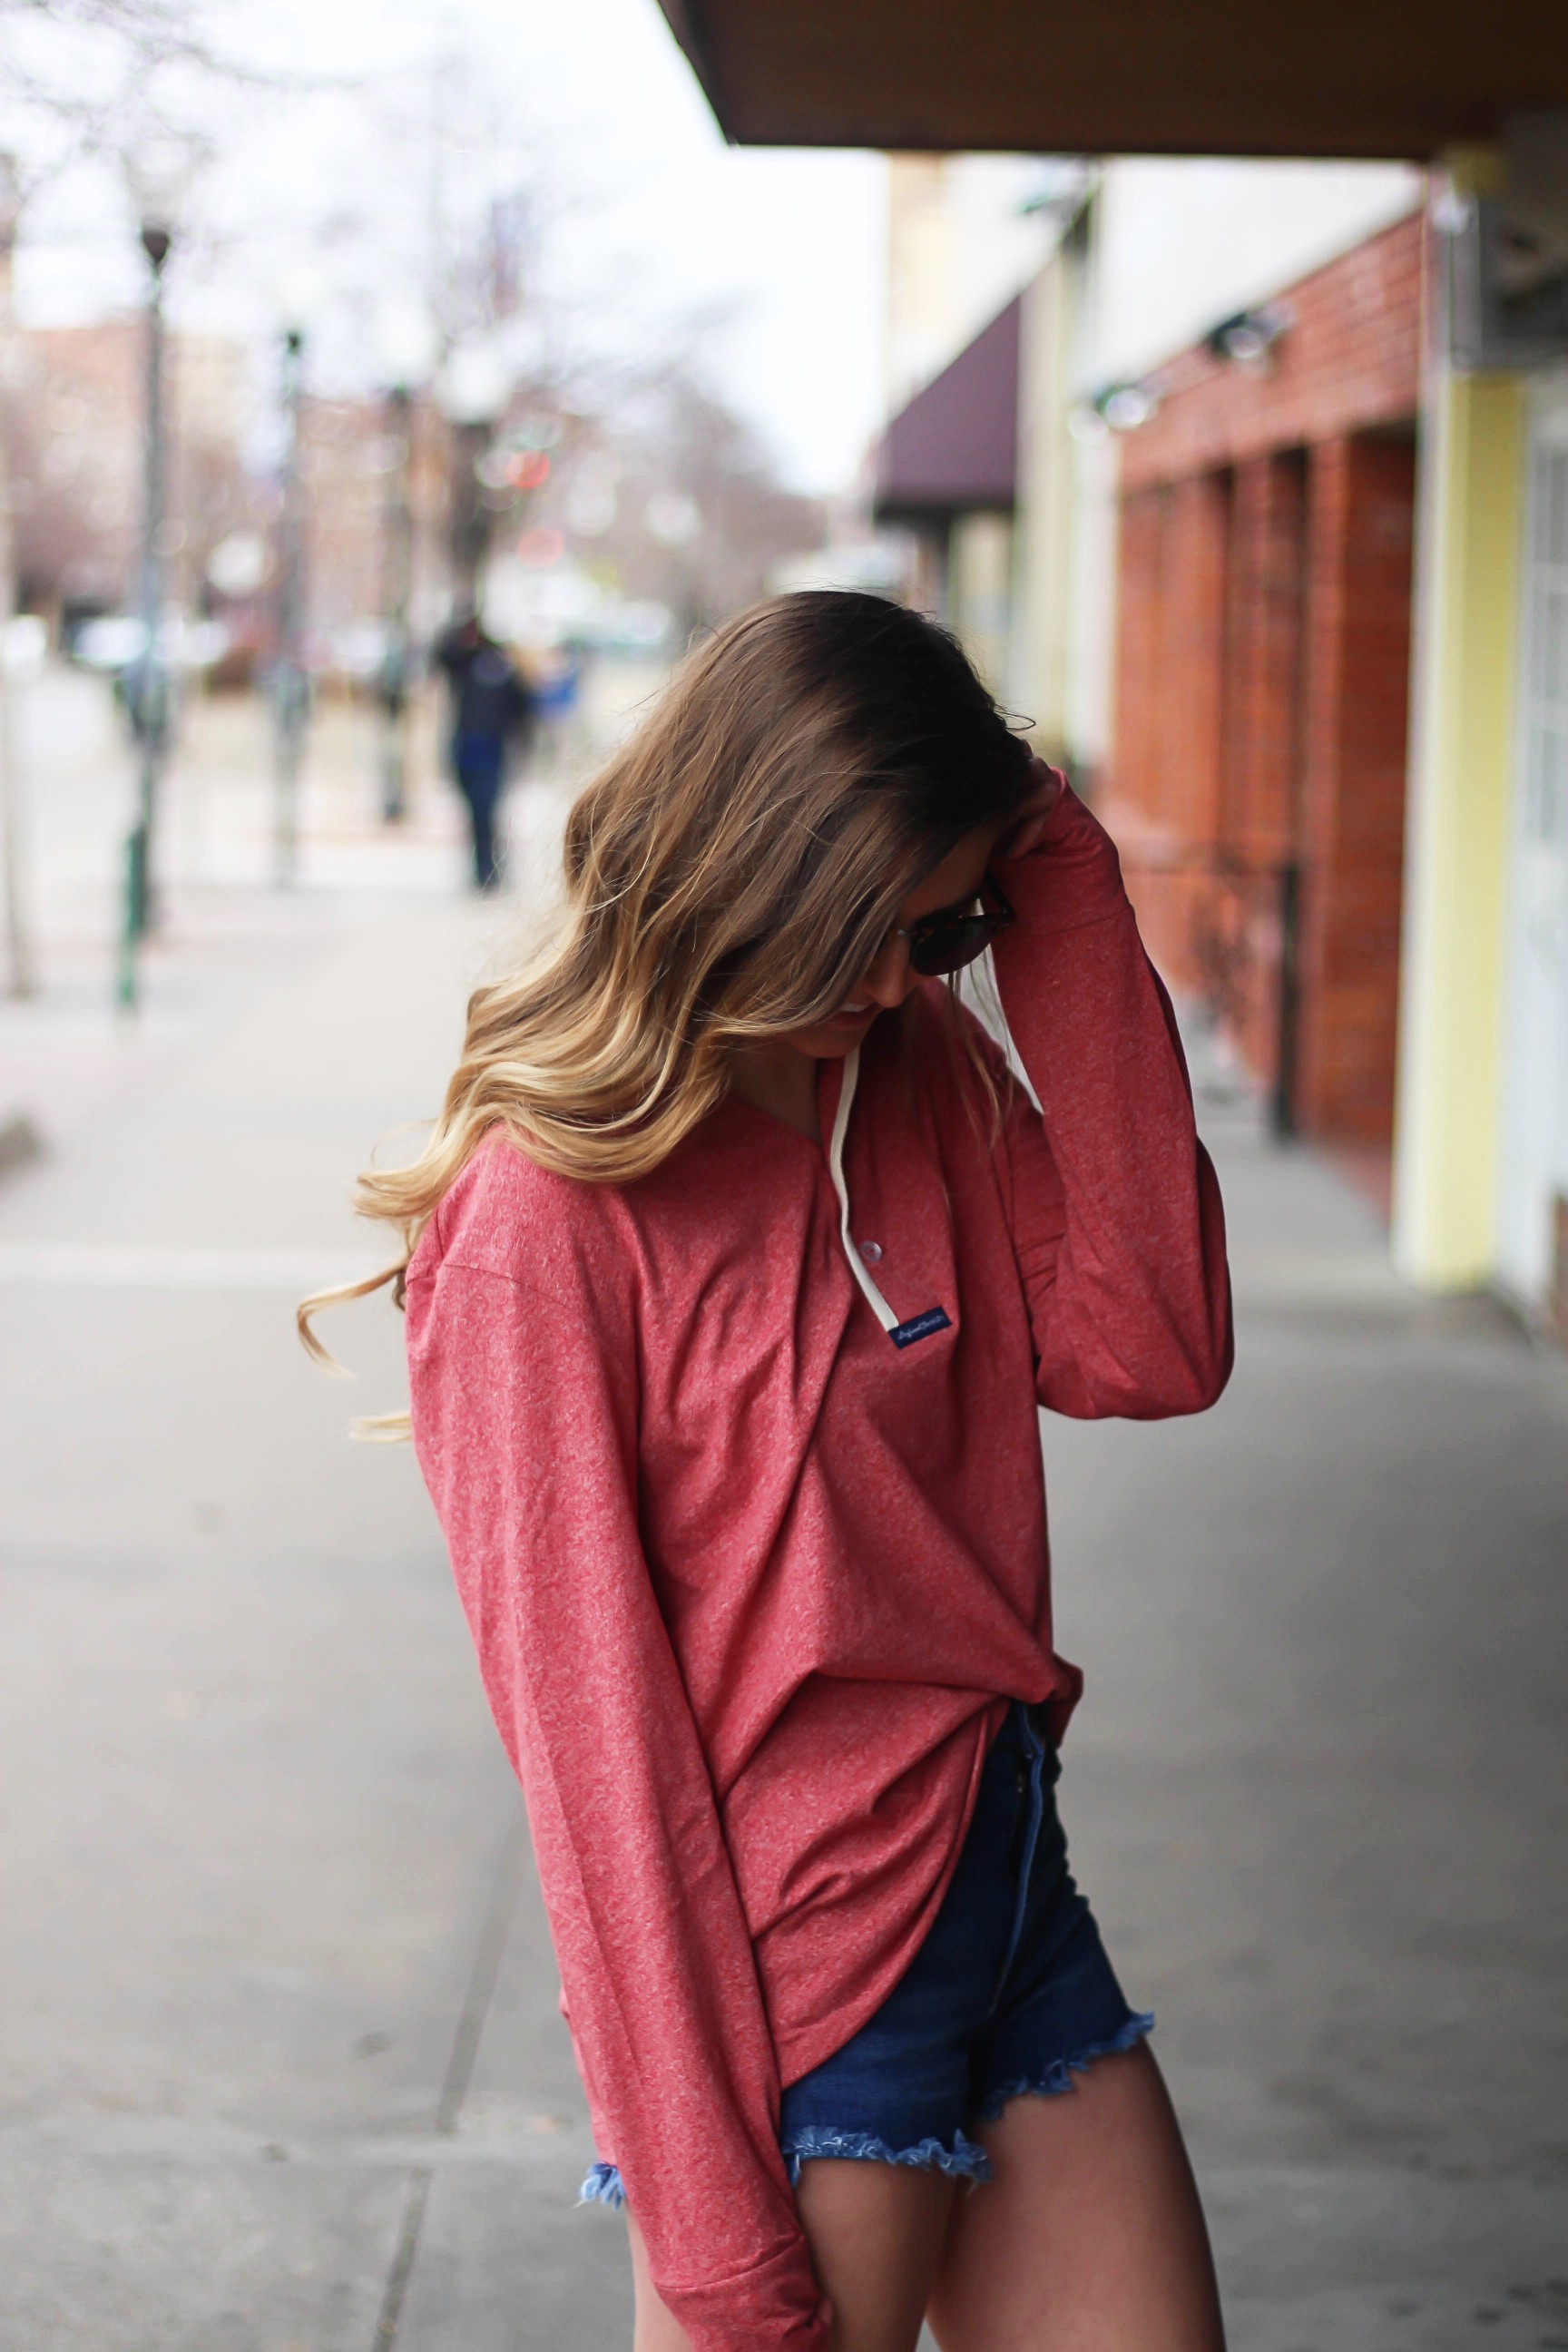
(157, 180)
(406, 336)
(291, 688)
(475, 389)
(19, 975)
(397, 591)
(147, 681)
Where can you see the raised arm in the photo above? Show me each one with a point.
(524, 1418)
(1116, 1209)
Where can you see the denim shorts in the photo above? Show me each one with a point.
(1008, 1995)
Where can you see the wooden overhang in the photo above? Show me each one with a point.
(1307, 77)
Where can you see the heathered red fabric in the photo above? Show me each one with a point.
(750, 1585)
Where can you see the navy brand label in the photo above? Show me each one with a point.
(920, 1326)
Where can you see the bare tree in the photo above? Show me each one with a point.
(690, 511)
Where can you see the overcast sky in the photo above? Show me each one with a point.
(779, 253)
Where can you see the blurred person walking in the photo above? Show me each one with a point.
(740, 1265)
(492, 712)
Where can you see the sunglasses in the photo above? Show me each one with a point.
(945, 942)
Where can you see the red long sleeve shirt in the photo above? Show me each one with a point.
(750, 1576)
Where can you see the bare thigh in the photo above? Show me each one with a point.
(1090, 2236)
(875, 2233)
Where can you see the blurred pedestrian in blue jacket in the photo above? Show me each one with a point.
(492, 709)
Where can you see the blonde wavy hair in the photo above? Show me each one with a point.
(730, 874)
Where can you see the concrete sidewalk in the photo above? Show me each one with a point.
(282, 2069)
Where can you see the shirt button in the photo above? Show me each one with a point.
(871, 1252)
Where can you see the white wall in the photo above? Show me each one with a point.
(1182, 243)
(960, 245)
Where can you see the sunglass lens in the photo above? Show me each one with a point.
(955, 944)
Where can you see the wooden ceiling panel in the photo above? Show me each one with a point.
(1334, 78)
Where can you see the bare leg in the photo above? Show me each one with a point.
(875, 2233)
(1090, 2237)
(656, 2330)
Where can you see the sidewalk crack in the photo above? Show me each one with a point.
(494, 1929)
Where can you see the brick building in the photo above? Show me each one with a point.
(75, 431)
(1257, 537)
(358, 458)
(77, 459)
(1257, 775)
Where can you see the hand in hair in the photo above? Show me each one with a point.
(1032, 813)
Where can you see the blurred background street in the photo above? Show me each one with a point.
(319, 340)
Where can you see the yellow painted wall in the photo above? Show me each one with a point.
(979, 591)
(1461, 782)
(1042, 629)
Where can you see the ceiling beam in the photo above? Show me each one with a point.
(1303, 78)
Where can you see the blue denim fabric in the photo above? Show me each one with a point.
(1009, 1994)
(478, 765)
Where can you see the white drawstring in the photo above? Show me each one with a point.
(874, 1298)
(917, 1326)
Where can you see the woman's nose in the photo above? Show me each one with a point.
(890, 977)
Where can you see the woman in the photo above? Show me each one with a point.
(743, 1264)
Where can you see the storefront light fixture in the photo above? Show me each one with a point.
(1125, 407)
(1249, 339)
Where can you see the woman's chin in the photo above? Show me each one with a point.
(830, 1040)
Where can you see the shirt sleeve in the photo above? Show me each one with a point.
(1115, 1205)
(524, 1409)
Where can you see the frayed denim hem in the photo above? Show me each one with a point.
(602, 2186)
(964, 2159)
(1059, 2075)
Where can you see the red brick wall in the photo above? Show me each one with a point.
(1140, 644)
(1171, 679)
(1261, 679)
(1263, 739)
(1362, 499)
(1263, 709)
(1351, 358)
(1190, 740)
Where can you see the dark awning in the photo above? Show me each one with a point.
(1391, 78)
(954, 447)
